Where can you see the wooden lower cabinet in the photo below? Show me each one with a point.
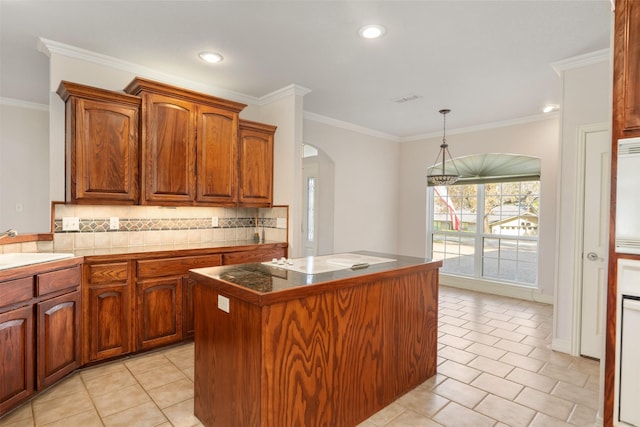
(108, 311)
(58, 336)
(159, 312)
(109, 321)
(17, 357)
(40, 310)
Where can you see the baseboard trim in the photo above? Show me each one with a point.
(496, 288)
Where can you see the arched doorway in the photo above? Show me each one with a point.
(317, 206)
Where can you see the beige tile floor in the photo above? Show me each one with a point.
(495, 368)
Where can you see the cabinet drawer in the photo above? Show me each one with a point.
(57, 280)
(108, 273)
(175, 266)
(16, 291)
(258, 255)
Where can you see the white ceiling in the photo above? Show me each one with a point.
(488, 61)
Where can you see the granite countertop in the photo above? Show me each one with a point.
(265, 278)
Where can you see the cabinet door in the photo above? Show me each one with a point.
(169, 150)
(256, 164)
(16, 357)
(159, 312)
(217, 143)
(58, 337)
(103, 150)
(627, 66)
(109, 321)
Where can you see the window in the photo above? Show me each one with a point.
(486, 230)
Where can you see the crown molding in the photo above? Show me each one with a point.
(49, 47)
(348, 126)
(485, 126)
(23, 104)
(581, 61)
(285, 92)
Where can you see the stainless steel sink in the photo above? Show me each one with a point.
(19, 259)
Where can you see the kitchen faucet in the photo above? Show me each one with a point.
(10, 232)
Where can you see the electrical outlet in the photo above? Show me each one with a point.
(70, 223)
(281, 222)
(19, 207)
(214, 221)
(114, 223)
(223, 303)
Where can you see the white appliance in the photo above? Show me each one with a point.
(627, 395)
(630, 362)
(628, 197)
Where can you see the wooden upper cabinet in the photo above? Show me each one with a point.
(217, 167)
(168, 150)
(101, 145)
(188, 138)
(626, 86)
(256, 164)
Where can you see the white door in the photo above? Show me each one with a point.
(595, 240)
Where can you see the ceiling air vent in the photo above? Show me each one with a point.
(407, 98)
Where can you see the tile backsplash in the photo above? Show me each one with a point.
(155, 225)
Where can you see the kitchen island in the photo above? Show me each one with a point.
(276, 346)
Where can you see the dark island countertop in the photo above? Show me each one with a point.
(266, 283)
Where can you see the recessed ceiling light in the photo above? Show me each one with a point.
(210, 57)
(372, 31)
(550, 108)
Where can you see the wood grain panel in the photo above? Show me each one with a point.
(227, 361)
(217, 155)
(299, 360)
(169, 149)
(361, 372)
(632, 66)
(100, 274)
(175, 266)
(16, 358)
(102, 145)
(58, 338)
(256, 255)
(159, 312)
(16, 291)
(58, 280)
(109, 321)
(256, 142)
(107, 163)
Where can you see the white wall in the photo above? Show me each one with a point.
(24, 168)
(286, 113)
(537, 138)
(366, 170)
(586, 100)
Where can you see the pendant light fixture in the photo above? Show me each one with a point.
(438, 175)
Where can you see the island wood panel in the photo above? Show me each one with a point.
(328, 359)
(227, 354)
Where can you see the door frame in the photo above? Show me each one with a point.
(578, 258)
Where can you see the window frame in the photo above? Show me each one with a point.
(479, 236)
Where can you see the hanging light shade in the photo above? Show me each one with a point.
(438, 175)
